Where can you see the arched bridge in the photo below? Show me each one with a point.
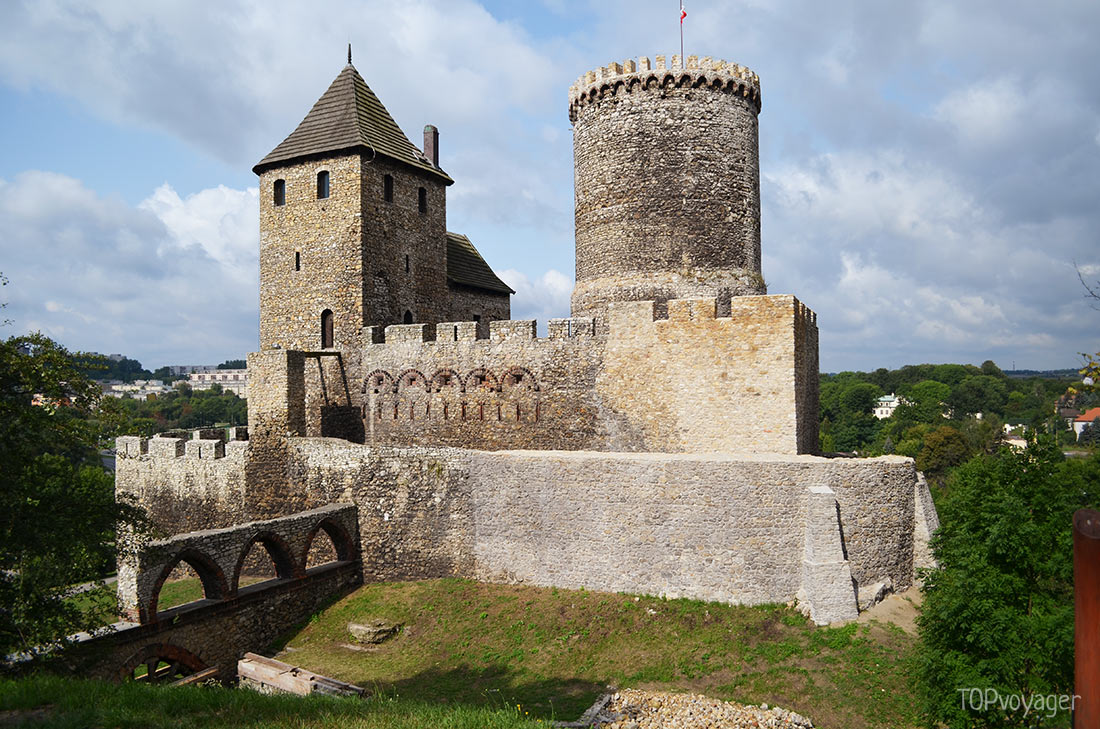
(230, 620)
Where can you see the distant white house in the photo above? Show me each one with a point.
(887, 404)
(230, 380)
(1084, 419)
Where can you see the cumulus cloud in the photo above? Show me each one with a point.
(542, 298)
(168, 279)
(929, 169)
(899, 259)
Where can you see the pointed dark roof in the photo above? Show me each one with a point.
(349, 117)
(466, 267)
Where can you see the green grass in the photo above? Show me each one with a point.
(554, 651)
(470, 651)
(55, 703)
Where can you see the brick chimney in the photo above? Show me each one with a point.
(431, 144)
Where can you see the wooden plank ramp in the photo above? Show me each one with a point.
(268, 675)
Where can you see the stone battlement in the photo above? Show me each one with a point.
(642, 74)
(202, 443)
(468, 331)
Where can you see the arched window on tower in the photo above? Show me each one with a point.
(422, 200)
(322, 184)
(408, 317)
(387, 188)
(326, 329)
(279, 192)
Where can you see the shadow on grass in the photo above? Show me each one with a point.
(493, 687)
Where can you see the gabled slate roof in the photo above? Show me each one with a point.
(349, 117)
(466, 267)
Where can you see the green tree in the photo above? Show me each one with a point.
(977, 394)
(58, 513)
(233, 364)
(926, 401)
(1090, 434)
(998, 608)
(943, 449)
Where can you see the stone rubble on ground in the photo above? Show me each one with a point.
(635, 709)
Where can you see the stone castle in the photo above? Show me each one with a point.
(660, 440)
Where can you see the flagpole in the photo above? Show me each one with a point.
(683, 61)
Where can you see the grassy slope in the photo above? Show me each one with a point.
(55, 703)
(470, 648)
(553, 651)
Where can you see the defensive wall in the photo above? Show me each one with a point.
(688, 381)
(230, 620)
(745, 528)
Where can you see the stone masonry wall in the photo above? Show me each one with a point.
(708, 526)
(692, 382)
(216, 634)
(509, 390)
(217, 555)
(184, 485)
(667, 183)
(711, 526)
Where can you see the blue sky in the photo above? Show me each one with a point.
(930, 170)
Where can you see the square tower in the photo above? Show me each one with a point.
(353, 225)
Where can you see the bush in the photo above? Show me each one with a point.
(998, 610)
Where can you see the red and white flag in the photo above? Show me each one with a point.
(683, 13)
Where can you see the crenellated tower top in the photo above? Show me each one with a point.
(667, 183)
(662, 72)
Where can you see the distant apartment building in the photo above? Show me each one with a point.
(230, 380)
(138, 389)
(190, 369)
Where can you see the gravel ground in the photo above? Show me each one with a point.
(633, 709)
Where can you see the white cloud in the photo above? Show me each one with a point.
(168, 280)
(929, 170)
(219, 221)
(900, 261)
(985, 113)
(541, 298)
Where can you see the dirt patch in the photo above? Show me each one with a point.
(24, 717)
(900, 609)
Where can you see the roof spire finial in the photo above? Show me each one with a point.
(349, 54)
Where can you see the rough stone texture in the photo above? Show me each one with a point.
(182, 494)
(216, 633)
(667, 182)
(826, 574)
(612, 521)
(217, 555)
(925, 524)
(374, 632)
(368, 260)
(746, 382)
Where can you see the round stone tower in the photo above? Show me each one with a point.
(667, 181)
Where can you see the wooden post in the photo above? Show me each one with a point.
(1086, 593)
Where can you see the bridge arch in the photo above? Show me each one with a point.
(214, 584)
(160, 663)
(282, 556)
(341, 541)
